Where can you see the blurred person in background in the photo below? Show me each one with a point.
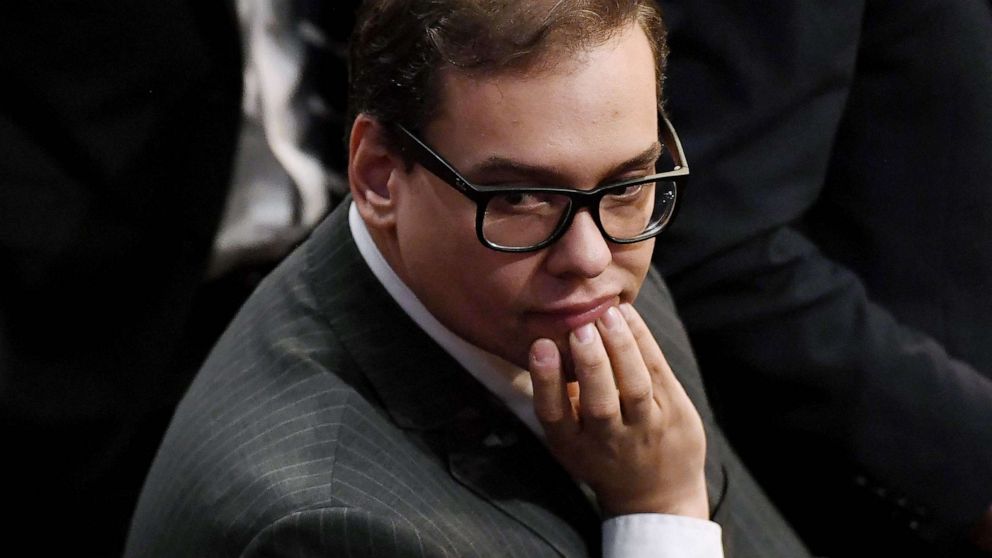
(118, 122)
(833, 259)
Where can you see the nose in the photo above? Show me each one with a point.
(581, 251)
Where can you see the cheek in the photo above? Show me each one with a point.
(493, 281)
(495, 312)
(634, 260)
(433, 234)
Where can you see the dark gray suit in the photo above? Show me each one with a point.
(327, 423)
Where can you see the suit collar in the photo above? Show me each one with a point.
(418, 383)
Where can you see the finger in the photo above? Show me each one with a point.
(629, 371)
(665, 382)
(599, 405)
(551, 401)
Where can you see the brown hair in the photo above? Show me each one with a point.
(399, 47)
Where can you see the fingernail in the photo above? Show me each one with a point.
(612, 319)
(544, 351)
(628, 312)
(585, 333)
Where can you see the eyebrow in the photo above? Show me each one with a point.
(496, 165)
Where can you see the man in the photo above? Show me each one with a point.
(394, 388)
(841, 305)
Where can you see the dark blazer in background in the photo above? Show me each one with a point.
(118, 121)
(326, 423)
(833, 257)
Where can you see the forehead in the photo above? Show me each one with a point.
(597, 101)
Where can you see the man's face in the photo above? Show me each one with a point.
(578, 125)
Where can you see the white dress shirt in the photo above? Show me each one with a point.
(627, 536)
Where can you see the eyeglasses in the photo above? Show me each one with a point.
(528, 218)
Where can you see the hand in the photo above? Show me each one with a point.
(625, 427)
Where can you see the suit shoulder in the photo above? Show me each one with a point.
(257, 434)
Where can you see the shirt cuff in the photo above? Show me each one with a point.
(661, 536)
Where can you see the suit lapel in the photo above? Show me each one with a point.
(419, 384)
(425, 391)
(498, 458)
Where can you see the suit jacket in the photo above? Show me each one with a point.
(327, 423)
(833, 257)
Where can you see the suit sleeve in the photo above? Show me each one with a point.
(886, 433)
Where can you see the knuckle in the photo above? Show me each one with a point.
(638, 328)
(660, 374)
(637, 394)
(684, 419)
(543, 381)
(595, 377)
(589, 361)
(549, 417)
(600, 410)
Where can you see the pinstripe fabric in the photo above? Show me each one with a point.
(325, 423)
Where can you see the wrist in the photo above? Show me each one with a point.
(690, 501)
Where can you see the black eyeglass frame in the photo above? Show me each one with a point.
(437, 165)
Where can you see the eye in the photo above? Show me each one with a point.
(531, 203)
(626, 194)
(516, 199)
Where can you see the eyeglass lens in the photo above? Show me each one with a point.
(523, 219)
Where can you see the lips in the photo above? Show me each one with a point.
(568, 316)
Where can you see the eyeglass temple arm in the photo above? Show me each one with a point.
(426, 157)
(668, 133)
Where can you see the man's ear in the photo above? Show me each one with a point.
(372, 168)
